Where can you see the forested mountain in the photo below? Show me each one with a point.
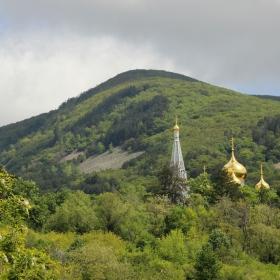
(137, 109)
(123, 224)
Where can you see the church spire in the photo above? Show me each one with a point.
(177, 157)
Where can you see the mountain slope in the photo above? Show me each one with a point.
(137, 109)
(10, 134)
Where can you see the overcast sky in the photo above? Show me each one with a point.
(54, 50)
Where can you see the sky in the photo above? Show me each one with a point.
(54, 50)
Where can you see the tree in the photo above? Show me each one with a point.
(111, 148)
(27, 189)
(57, 131)
(225, 186)
(100, 148)
(207, 265)
(100, 260)
(202, 185)
(75, 214)
(220, 243)
(265, 242)
(218, 239)
(45, 206)
(172, 247)
(110, 211)
(268, 196)
(248, 194)
(158, 209)
(171, 185)
(179, 219)
(16, 261)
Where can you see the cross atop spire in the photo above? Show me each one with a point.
(261, 169)
(232, 143)
(204, 169)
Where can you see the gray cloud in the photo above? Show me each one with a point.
(61, 48)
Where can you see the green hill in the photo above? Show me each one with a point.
(136, 110)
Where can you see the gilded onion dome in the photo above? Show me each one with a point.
(262, 182)
(236, 169)
(235, 179)
(176, 127)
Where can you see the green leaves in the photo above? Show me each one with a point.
(16, 261)
(111, 211)
(171, 185)
(13, 208)
(207, 265)
(74, 214)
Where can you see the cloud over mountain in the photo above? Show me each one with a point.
(53, 50)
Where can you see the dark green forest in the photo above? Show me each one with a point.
(126, 223)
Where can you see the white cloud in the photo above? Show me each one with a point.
(53, 50)
(37, 75)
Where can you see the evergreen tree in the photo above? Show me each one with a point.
(171, 185)
(225, 186)
(207, 265)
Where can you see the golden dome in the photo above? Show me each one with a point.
(176, 127)
(235, 168)
(262, 182)
(236, 180)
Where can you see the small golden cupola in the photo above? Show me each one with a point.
(262, 182)
(176, 127)
(236, 169)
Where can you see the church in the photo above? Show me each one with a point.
(235, 169)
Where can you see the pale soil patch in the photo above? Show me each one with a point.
(72, 155)
(115, 160)
(277, 165)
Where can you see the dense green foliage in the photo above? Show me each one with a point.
(16, 261)
(267, 134)
(133, 234)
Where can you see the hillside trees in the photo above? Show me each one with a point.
(139, 119)
(99, 113)
(162, 239)
(267, 133)
(74, 214)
